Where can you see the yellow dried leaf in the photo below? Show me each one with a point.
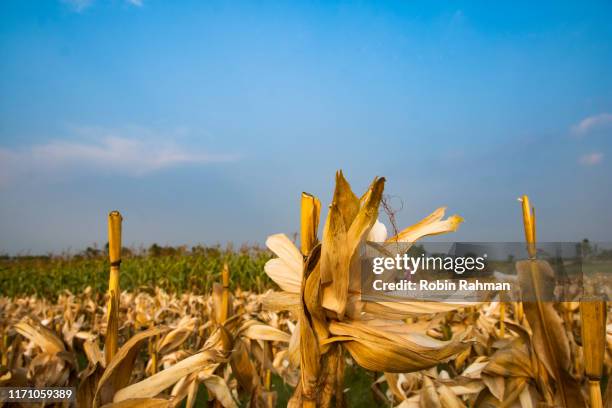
(155, 384)
(433, 224)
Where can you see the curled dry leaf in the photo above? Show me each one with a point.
(119, 371)
(155, 384)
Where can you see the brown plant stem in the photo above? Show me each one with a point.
(114, 253)
(529, 223)
(595, 394)
(593, 319)
(225, 275)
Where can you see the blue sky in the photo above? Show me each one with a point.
(203, 121)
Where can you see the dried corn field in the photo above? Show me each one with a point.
(299, 338)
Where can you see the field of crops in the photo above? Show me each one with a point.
(286, 326)
(174, 270)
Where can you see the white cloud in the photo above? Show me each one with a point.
(137, 3)
(593, 123)
(591, 159)
(122, 151)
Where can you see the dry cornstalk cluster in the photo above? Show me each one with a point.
(153, 349)
(169, 346)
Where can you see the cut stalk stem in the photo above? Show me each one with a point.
(267, 373)
(310, 210)
(529, 223)
(225, 296)
(153, 349)
(114, 253)
(593, 317)
(4, 361)
(595, 394)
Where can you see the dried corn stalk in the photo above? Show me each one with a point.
(549, 341)
(114, 254)
(322, 284)
(593, 317)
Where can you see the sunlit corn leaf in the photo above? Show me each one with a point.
(93, 353)
(41, 336)
(218, 388)
(286, 270)
(280, 301)
(385, 350)
(256, 331)
(433, 224)
(243, 368)
(119, 371)
(152, 386)
(177, 336)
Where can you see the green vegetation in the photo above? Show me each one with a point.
(174, 269)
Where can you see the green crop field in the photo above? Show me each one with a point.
(175, 270)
